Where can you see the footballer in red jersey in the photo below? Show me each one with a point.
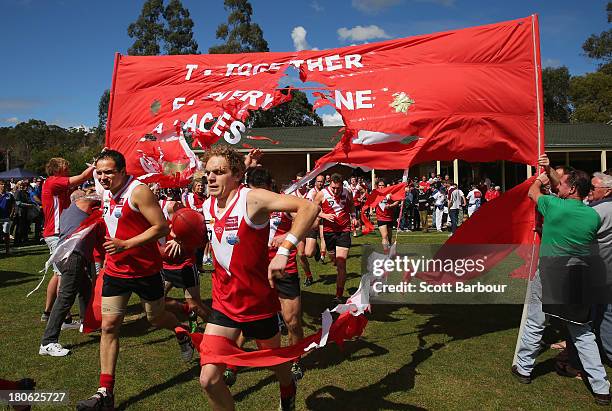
(134, 223)
(244, 298)
(385, 216)
(336, 204)
(358, 193)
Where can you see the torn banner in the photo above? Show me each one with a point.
(471, 93)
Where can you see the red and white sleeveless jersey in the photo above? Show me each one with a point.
(357, 191)
(194, 201)
(280, 224)
(240, 287)
(301, 192)
(174, 264)
(124, 221)
(384, 213)
(339, 206)
(312, 193)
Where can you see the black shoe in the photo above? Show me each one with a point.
(337, 300)
(308, 282)
(26, 384)
(297, 371)
(317, 253)
(523, 379)
(100, 401)
(229, 376)
(602, 399)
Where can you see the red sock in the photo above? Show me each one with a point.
(107, 381)
(186, 308)
(339, 291)
(309, 275)
(8, 385)
(288, 390)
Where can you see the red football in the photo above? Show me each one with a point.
(189, 227)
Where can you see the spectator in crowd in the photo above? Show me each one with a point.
(25, 211)
(424, 184)
(406, 210)
(600, 198)
(414, 209)
(473, 199)
(492, 193)
(35, 196)
(76, 275)
(423, 206)
(439, 200)
(7, 214)
(55, 199)
(456, 200)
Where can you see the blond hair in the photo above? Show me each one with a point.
(234, 159)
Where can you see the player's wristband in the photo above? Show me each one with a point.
(292, 239)
(283, 251)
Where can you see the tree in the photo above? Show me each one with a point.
(243, 36)
(103, 111)
(239, 34)
(148, 30)
(295, 113)
(178, 34)
(599, 47)
(32, 143)
(591, 95)
(556, 84)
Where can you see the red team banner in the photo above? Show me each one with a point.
(468, 94)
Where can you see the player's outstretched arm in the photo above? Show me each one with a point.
(81, 178)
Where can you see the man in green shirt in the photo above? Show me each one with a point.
(570, 228)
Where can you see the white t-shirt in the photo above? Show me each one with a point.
(457, 197)
(474, 197)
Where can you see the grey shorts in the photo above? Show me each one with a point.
(52, 242)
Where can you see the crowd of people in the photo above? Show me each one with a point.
(257, 242)
(20, 209)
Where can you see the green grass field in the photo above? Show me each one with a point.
(410, 356)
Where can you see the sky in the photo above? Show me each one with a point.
(58, 54)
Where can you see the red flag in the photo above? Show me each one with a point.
(396, 192)
(216, 349)
(493, 232)
(93, 315)
(469, 94)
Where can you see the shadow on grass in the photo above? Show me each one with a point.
(327, 279)
(181, 378)
(372, 397)
(13, 278)
(456, 321)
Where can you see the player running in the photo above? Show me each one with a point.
(244, 298)
(336, 204)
